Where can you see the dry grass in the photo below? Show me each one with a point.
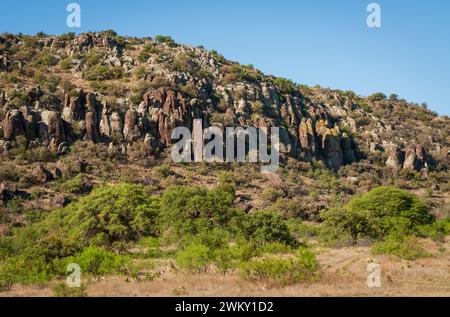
(344, 274)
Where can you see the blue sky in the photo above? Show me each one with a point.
(324, 42)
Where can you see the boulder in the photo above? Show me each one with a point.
(13, 125)
(41, 175)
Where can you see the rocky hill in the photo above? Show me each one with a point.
(128, 94)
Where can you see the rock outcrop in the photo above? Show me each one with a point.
(315, 124)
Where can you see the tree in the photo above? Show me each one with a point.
(377, 214)
(265, 227)
(393, 97)
(189, 210)
(378, 96)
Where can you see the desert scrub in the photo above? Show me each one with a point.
(152, 247)
(99, 262)
(206, 249)
(80, 184)
(379, 213)
(436, 231)
(108, 217)
(189, 210)
(408, 248)
(281, 271)
(194, 258)
(264, 227)
(163, 171)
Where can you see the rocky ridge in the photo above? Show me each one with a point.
(187, 83)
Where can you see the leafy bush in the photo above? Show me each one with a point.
(377, 214)
(164, 170)
(407, 248)
(379, 96)
(195, 257)
(265, 227)
(108, 215)
(147, 52)
(65, 64)
(101, 72)
(280, 272)
(165, 39)
(98, 262)
(44, 58)
(207, 248)
(153, 247)
(286, 86)
(112, 213)
(436, 231)
(77, 185)
(190, 210)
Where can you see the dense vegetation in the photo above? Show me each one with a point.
(96, 231)
(209, 232)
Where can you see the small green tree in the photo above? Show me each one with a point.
(265, 227)
(381, 212)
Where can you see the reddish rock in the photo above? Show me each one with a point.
(91, 127)
(41, 174)
(13, 125)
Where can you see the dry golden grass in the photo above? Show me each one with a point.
(344, 274)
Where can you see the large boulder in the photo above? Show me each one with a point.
(132, 130)
(307, 139)
(51, 127)
(91, 127)
(415, 158)
(396, 157)
(9, 192)
(41, 175)
(13, 125)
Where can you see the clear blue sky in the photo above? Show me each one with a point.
(324, 42)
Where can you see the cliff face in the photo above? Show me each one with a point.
(103, 88)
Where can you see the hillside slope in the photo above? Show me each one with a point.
(100, 97)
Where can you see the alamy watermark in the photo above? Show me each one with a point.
(374, 275)
(73, 279)
(239, 144)
(374, 18)
(74, 18)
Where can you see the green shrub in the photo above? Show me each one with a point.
(195, 258)
(379, 96)
(190, 210)
(77, 185)
(271, 195)
(164, 171)
(111, 214)
(44, 58)
(286, 86)
(65, 64)
(102, 72)
(27, 268)
(153, 247)
(300, 229)
(99, 262)
(282, 271)
(265, 227)
(436, 231)
(108, 215)
(407, 248)
(165, 39)
(377, 214)
(210, 247)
